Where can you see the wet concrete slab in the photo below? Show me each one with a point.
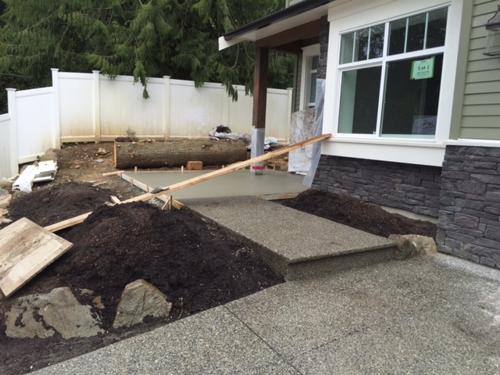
(296, 238)
(242, 183)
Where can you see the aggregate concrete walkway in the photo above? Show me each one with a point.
(421, 316)
(295, 238)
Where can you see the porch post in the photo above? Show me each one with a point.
(259, 106)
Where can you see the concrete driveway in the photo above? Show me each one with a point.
(436, 315)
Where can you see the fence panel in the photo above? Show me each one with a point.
(76, 106)
(34, 122)
(123, 107)
(6, 154)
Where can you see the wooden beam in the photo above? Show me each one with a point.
(196, 180)
(260, 88)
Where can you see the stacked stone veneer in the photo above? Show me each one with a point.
(469, 215)
(413, 188)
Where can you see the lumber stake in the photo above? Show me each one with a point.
(196, 180)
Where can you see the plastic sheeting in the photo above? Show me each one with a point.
(318, 129)
(306, 124)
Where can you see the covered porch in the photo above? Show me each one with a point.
(291, 30)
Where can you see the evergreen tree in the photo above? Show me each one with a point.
(139, 37)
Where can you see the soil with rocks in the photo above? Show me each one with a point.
(194, 262)
(358, 214)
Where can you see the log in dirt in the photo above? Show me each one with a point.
(177, 152)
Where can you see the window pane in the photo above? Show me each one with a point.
(411, 105)
(312, 90)
(359, 101)
(314, 62)
(397, 37)
(436, 30)
(377, 41)
(416, 33)
(361, 45)
(346, 47)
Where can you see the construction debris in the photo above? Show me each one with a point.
(35, 249)
(102, 151)
(38, 172)
(195, 180)
(139, 300)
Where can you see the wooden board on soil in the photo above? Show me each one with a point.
(26, 249)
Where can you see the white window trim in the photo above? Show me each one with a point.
(356, 14)
(307, 53)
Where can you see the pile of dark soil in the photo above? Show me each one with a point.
(196, 263)
(57, 202)
(358, 214)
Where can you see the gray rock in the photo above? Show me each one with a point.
(102, 151)
(42, 315)
(139, 300)
(410, 245)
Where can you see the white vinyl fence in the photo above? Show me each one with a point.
(86, 107)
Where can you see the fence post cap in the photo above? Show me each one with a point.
(54, 69)
(10, 89)
(96, 71)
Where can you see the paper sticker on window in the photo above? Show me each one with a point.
(422, 69)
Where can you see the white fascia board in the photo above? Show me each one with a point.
(418, 153)
(276, 27)
(473, 142)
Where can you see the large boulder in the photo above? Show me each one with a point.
(139, 300)
(410, 245)
(43, 315)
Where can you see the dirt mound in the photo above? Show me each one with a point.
(358, 214)
(197, 264)
(194, 262)
(58, 202)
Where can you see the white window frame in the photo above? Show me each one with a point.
(350, 16)
(382, 62)
(305, 75)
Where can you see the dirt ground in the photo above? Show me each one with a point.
(196, 263)
(358, 214)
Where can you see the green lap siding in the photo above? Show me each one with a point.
(478, 80)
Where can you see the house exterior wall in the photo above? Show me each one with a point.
(413, 188)
(479, 82)
(469, 216)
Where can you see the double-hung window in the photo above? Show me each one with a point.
(391, 77)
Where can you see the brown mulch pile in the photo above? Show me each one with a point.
(358, 214)
(196, 263)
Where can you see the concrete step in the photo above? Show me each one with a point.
(294, 243)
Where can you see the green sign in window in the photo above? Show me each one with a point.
(422, 69)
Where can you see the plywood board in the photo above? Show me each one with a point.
(25, 250)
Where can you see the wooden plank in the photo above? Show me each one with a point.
(112, 173)
(25, 250)
(197, 180)
(115, 199)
